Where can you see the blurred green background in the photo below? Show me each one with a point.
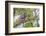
(29, 15)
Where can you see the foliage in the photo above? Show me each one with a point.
(29, 15)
